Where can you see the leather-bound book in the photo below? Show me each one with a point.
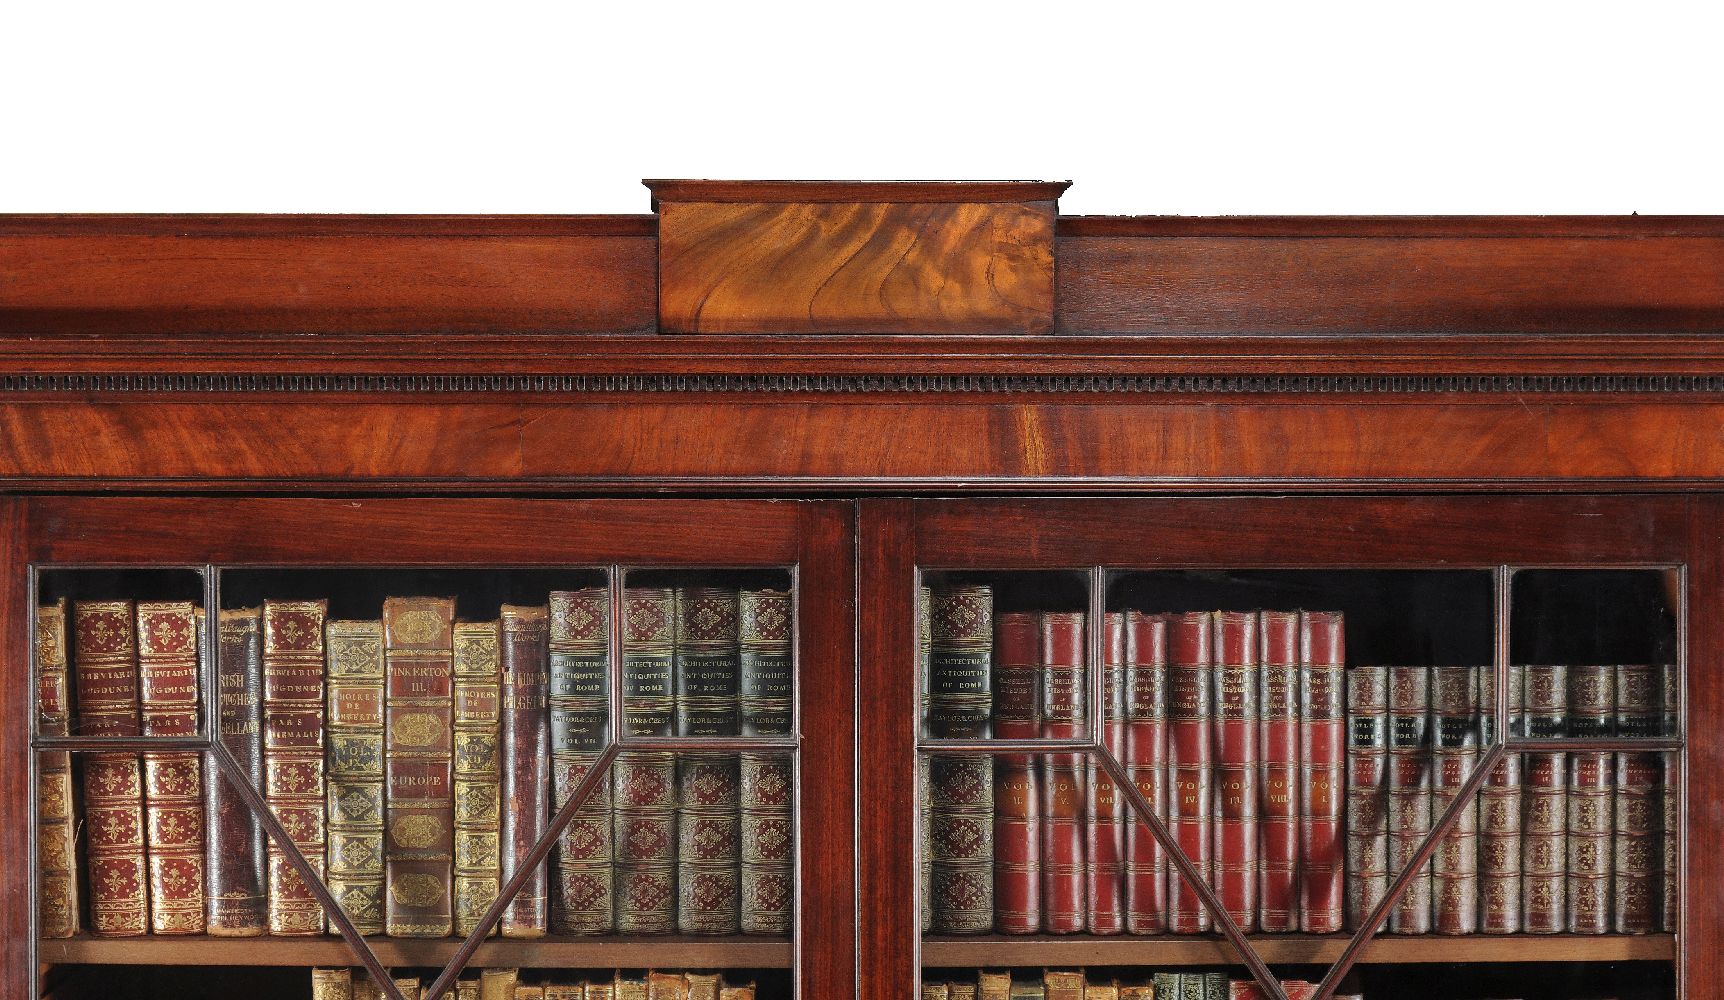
(170, 645)
(703, 985)
(924, 783)
(236, 849)
(498, 983)
(524, 750)
(1278, 772)
(708, 793)
(1017, 778)
(1190, 643)
(104, 642)
(631, 988)
(332, 984)
(293, 756)
(1323, 763)
(353, 760)
(1236, 762)
(419, 727)
(644, 783)
(1670, 905)
(1106, 811)
(1591, 713)
(993, 985)
(1499, 809)
(966, 991)
(1064, 690)
(1145, 764)
(666, 986)
(1409, 794)
(1544, 803)
(1063, 985)
(1635, 889)
(1367, 791)
(56, 818)
(936, 991)
(582, 896)
(1455, 751)
(768, 822)
(478, 759)
(1101, 991)
(961, 824)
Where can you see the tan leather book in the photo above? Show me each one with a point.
(666, 986)
(331, 984)
(936, 991)
(105, 647)
(366, 988)
(293, 721)
(478, 693)
(704, 986)
(466, 989)
(527, 991)
(737, 992)
(353, 762)
(1137, 993)
(566, 991)
(1097, 991)
(602, 991)
(498, 984)
(419, 838)
(409, 987)
(56, 821)
(629, 989)
(994, 985)
(1063, 985)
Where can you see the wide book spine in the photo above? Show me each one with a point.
(1190, 755)
(1544, 812)
(419, 834)
(56, 815)
(766, 706)
(1635, 890)
(293, 719)
(1409, 794)
(644, 782)
(1146, 767)
(1322, 762)
(1278, 772)
(353, 760)
(1105, 812)
(1367, 791)
(1455, 748)
(1064, 693)
(1236, 760)
(170, 647)
(104, 640)
(524, 750)
(477, 760)
(236, 849)
(708, 789)
(1017, 778)
(583, 896)
(1500, 813)
(961, 821)
(1591, 706)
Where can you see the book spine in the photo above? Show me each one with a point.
(708, 784)
(1236, 762)
(524, 749)
(1635, 892)
(477, 755)
(1105, 813)
(236, 850)
(1323, 761)
(104, 641)
(1544, 812)
(1064, 691)
(170, 646)
(583, 897)
(643, 782)
(353, 762)
(293, 756)
(1455, 747)
(1670, 812)
(1190, 658)
(419, 730)
(962, 813)
(1145, 764)
(1409, 794)
(924, 780)
(767, 827)
(1367, 791)
(56, 816)
(1499, 808)
(1017, 779)
(1591, 713)
(1278, 772)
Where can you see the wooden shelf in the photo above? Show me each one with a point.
(540, 953)
(1292, 949)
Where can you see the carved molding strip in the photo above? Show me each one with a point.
(142, 383)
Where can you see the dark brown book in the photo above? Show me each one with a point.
(1322, 770)
(478, 764)
(1017, 777)
(293, 756)
(1190, 741)
(419, 830)
(583, 897)
(1237, 647)
(924, 781)
(1409, 794)
(1455, 750)
(767, 817)
(1278, 772)
(170, 646)
(1636, 891)
(1670, 905)
(1105, 809)
(104, 641)
(1065, 692)
(706, 668)
(1499, 808)
(1367, 791)
(353, 761)
(644, 786)
(1146, 767)
(1591, 713)
(56, 812)
(524, 754)
(1544, 811)
(961, 824)
(236, 849)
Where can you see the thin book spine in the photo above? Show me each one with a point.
(1638, 826)
(961, 822)
(56, 815)
(1455, 734)
(924, 778)
(1065, 691)
(1278, 772)
(1591, 706)
(1236, 760)
(1500, 840)
(1189, 755)
(644, 782)
(104, 641)
(1367, 791)
(293, 722)
(1146, 767)
(767, 818)
(1409, 794)
(353, 760)
(1670, 812)
(1017, 778)
(237, 896)
(1323, 760)
(583, 896)
(419, 835)
(477, 758)
(1544, 813)
(1105, 809)
(524, 747)
(170, 650)
(708, 784)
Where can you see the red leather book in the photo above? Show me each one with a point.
(1064, 687)
(1409, 794)
(764, 633)
(1544, 812)
(1236, 763)
(236, 847)
(1591, 712)
(1323, 761)
(643, 782)
(170, 641)
(1017, 781)
(1636, 890)
(1145, 764)
(1278, 790)
(707, 817)
(583, 897)
(1499, 809)
(56, 815)
(293, 756)
(524, 752)
(961, 821)
(1190, 656)
(1367, 791)
(104, 641)
(419, 726)
(1105, 813)
(1455, 750)
(1670, 906)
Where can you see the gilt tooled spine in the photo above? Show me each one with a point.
(1635, 889)
(293, 721)
(525, 752)
(1323, 761)
(1017, 779)
(104, 641)
(924, 783)
(353, 761)
(236, 858)
(768, 862)
(1236, 760)
(56, 819)
(1544, 809)
(644, 782)
(1145, 764)
(707, 819)
(1591, 712)
(170, 646)
(1455, 749)
(1367, 791)
(479, 696)
(961, 823)
(1065, 691)
(1278, 772)
(1670, 904)
(1191, 639)
(1409, 793)
(1499, 806)
(1106, 812)
(419, 807)
(582, 891)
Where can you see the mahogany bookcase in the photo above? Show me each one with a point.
(866, 387)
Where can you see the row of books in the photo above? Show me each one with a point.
(507, 984)
(1078, 986)
(412, 759)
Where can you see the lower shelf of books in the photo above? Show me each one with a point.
(533, 953)
(1182, 950)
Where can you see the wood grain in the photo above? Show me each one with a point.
(17, 762)
(1700, 965)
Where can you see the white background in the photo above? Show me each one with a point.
(1387, 107)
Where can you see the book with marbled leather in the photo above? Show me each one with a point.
(1278, 771)
(1591, 713)
(1367, 790)
(961, 822)
(170, 647)
(1499, 808)
(1146, 766)
(1544, 798)
(419, 807)
(1236, 762)
(644, 782)
(105, 672)
(477, 758)
(706, 668)
(1064, 693)
(1190, 692)
(1322, 776)
(1017, 778)
(767, 819)
(583, 899)
(56, 811)
(1455, 754)
(236, 849)
(524, 753)
(1409, 794)
(353, 762)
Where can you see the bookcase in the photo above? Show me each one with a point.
(852, 589)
